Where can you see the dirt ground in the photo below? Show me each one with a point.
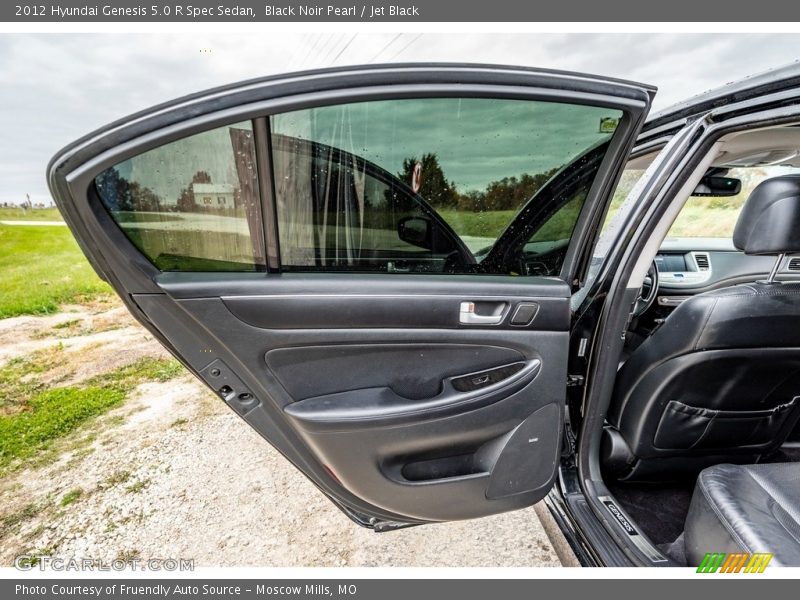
(174, 473)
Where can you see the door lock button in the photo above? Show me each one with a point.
(524, 314)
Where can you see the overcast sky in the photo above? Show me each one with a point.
(56, 88)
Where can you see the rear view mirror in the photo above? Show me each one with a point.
(416, 231)
(712, 185)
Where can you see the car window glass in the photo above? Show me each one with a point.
(193, 204)
(715, 217)
(421, 185)
(627, 181)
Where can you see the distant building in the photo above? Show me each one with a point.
(214, 195)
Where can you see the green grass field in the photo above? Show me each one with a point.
(707, 217)
(37, 214)
(33, 415)
(478, 224)
(490, 224)
(42, 268)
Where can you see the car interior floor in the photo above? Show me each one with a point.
(660, 509)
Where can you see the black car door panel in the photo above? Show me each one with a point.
(332, 289)
(379, 406)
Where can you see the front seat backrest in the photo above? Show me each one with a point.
(720, 379)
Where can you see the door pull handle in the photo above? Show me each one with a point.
(468, 316)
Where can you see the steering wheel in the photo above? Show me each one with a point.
(648, 291)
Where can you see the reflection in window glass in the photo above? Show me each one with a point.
(422, 185)
(193, 204)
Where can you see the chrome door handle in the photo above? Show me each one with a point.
(467, 316)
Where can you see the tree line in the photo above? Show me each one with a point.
(508, 193)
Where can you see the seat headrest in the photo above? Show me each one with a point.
(770, 219)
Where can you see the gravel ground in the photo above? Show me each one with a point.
(174, 473)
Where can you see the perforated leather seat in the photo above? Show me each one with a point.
(753, 508)
(719, 381)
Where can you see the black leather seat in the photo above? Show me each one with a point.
(719, 381)
(754, 508)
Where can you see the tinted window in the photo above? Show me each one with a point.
(423, 185)
(193, 204)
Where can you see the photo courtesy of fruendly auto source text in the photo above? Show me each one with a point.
(385, 300)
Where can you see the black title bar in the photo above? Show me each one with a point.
(350, 11)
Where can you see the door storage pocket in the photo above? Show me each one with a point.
(684, 427)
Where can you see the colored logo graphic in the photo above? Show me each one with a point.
(743, 562)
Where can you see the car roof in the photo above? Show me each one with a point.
(767, 82)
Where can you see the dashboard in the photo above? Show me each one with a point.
(689, 266)
(684, 269)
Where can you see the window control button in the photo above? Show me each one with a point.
(481, 380)
(476, 381)
(524, 313)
